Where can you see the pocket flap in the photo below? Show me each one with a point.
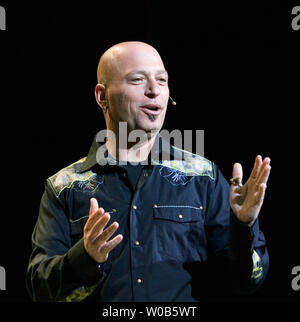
(178, 214)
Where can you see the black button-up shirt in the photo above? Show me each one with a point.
(179, 236)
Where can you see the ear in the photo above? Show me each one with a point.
(100, 94)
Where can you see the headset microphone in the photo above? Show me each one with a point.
(173, 102)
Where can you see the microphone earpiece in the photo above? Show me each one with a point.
(173, 102)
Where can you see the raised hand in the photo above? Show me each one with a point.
(246, 200)
(96, 237)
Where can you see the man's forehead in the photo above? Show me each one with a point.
(126, 57)
(138, 64)
(138, 57)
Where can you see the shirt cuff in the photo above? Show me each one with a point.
(88, 270)
(241, 237)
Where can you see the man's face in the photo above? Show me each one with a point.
(138, 90)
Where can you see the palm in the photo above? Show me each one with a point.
(246, 200)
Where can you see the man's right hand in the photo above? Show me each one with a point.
(96, 237)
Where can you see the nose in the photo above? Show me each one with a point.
(152, 89)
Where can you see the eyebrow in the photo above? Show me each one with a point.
(140, 71)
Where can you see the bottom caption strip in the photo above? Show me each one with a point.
(149, 312)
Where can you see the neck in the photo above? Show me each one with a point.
(120, 148)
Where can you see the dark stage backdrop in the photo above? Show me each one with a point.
(234, 72)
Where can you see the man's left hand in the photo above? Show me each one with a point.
(246, 200)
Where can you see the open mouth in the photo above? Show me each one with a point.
(152, 109)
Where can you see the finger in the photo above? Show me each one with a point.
(109, 246)
(107, 233)
(237, 173)
(264, 166)
(98, 227)
(260, 194)
(256, 167)
(94, 213)
(93, 218)
(93, 205)
(264, 175)
(265, 162)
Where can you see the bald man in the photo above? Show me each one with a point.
(142, 227)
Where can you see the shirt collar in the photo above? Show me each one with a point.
(161, 150)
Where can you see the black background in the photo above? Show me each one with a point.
(234, 72)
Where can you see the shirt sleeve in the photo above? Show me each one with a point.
(242, 247)
(58, 270)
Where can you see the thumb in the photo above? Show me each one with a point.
(93, 205)
(237, 172)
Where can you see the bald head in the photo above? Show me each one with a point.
(120, 57)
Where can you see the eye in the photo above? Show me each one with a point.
(136, 80)
(162, 80)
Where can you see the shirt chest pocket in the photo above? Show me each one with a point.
(178, 232)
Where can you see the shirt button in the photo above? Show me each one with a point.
(134, 207)
(146, 174)
(180, 216)
(155, 206)
(137, 243)
(139, 280)
(201, 208)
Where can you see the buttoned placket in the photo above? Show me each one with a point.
(136, 240)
